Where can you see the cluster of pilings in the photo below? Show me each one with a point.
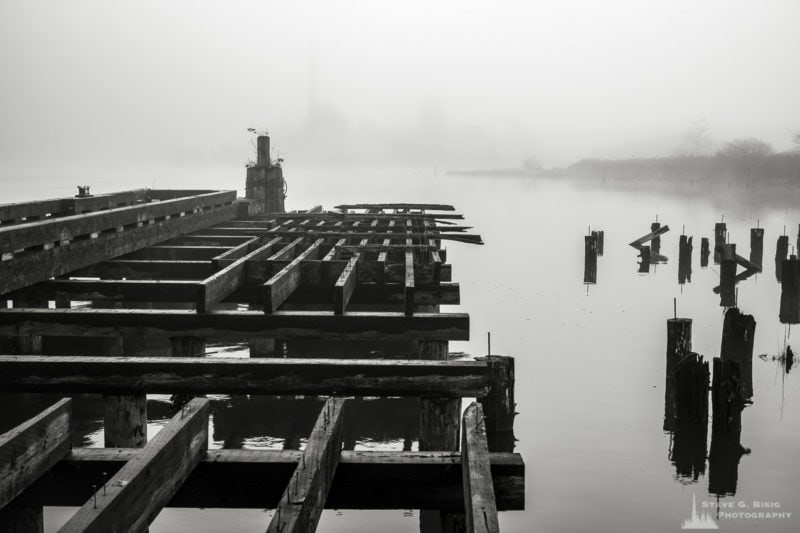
(686, 407)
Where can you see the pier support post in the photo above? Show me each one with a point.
(781, 253)
(790, 291)
(644, 266)
(757, 247)
(704, 252)
(499, 406)
(727, 276)
(719, 239)
(590, 259)
(679, 346)
(685, 259)
(655, 243)
(738, 333)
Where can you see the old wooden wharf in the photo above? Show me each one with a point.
(117, 295)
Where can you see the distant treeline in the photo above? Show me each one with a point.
(743, 160)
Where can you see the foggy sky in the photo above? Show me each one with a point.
(453, 84)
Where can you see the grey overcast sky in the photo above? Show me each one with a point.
(457, 83)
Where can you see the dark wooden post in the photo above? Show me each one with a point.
(757, 247)
(590, 259)
(790, 291)
(727, 276)
(685, 259)
(719, 240)
(679, 345)
(499, 406)
(601, 239)
(644, 253)
(738, 333)
(655, 243)
(704, 252)
(781, 253)
(726, 396)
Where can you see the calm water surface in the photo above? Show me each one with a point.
(590, 359)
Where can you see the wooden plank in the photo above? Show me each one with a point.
(479, 502)
(240, 479)
(303, 500)
(236, 324)
(408, 305)
(29, 450)
(71, 205)
(288, 252)
(66, 228)
(238, 251)
(135, 495)
(278, 288)
(219, 285)
(177, 253)
(29, 268)
(427, 207)
(345, 286)
(198, 375)
(650, 236)
(132, 269)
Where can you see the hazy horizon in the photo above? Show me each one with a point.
(447, 85)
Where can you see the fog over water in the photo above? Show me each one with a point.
(91, 84)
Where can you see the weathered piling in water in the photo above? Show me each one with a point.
(726, 449)
(644, 254)
(790, 291)
(685, 259)
(499, 406)
(704, 252)
(720, 230)
(655, 243)
(757, 247)
(738, 335)
(781, 253)
(601, 238)
(679, 346)
(727, 276)
(590, 258)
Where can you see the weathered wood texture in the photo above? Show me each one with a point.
(60, 207)
(439, 414)
(125, 420)
(790, 291)
(278, 288)
(738, 338)
(257, 478)
(341, 377)
(136, 493)
(345, 286)
(304, 498)
(21, 519)
(479, 501)
(499, 405)
(32, 448)
(225, 324)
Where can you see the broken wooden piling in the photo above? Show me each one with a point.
(738, 336)
(685, 259)
(790, 291)
(781, 254)
(704, 252)
(644, 264)
(727, 276)
(757, 247)
(590, 258)
(720, 231)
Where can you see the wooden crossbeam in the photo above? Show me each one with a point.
(177, 253)
(239, 250)
(278, 288)
(638, 243)
(197, 375)
(147, 269)
(303, 500)
(256, 479)
(234, 324)
(211, 240)
(337, 215)
(135, 495)
(32, 448)
(479, 500)
(408, 305)
(287, 252)
(131, 290)
(218, 286)
(345, 286)
(29, 268)
(426, 207)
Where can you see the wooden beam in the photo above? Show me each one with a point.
(427, 207)
(288, 252)
(70, 206)
(278, 288)
(135, 495)
(29, 450)
(219, 285)
(198, 375)
(130, 290)
(479, 501)
(238, 251)
(650, 236)
(345, 285)
(256, 479)
(408, 305)
(170, 270)
(33, 267)
(304, 498)
(178, 253)
(237, 324)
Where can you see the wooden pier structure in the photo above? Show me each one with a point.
(117, 296)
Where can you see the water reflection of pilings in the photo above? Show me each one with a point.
(685, 259)
(781, 253)
(726, 449)
(679, 345)
(691, 417)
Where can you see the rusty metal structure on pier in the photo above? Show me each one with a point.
(118, 295)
